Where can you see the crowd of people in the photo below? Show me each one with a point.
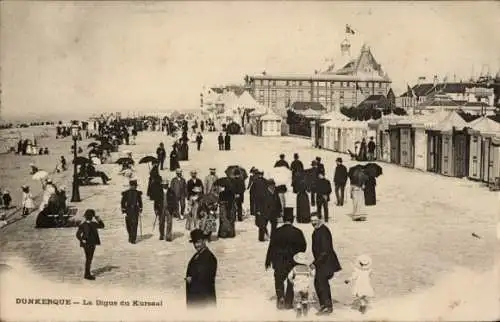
(211, 207)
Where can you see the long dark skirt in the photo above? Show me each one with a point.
(370, 195)
(227, 218)
(303, 208)
(174, 164)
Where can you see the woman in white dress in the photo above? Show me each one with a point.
(27, 201)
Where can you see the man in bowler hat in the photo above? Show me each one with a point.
(201, 272)
(285, 242)
(132, 208)
(325, 263)
(88, 235)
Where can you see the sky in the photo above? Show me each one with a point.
(85, 57)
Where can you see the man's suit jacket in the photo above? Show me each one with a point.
(285, 242)
(271, 205)
(131, 202)
(87, 231)
(202, 269)
(191, 184)
(178, 185)
(168, 202)
(325, 258)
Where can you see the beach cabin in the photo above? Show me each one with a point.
(332, 131)
(402, 140)
(380, 130)
(270, 124)
(484, 155)
(451, 132)
(343, 135)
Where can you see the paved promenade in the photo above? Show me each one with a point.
(421, 228)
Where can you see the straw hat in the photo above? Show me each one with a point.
(364, 262)
(302, 258)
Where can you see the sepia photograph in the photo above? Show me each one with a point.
(249, 161)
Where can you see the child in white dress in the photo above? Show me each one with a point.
(360, 282)
(301, 276)
(27, 201)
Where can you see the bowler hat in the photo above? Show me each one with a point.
(89, 214)
(282, 155)
(212, 169)
(133, 182)
(271, 182)
(178, 171)
(197, 235)
(254, 170)
(339, 160)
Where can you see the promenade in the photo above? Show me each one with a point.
(420, 229)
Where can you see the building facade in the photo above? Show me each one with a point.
(334, 89)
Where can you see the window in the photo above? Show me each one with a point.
(287, 83)
(261, 82)
(301, 96)
(348, 84)
(300, 83)
(273, 95)
(367, 84)
(379, 85)
(274, 83)
(341, 94)
(287, 94)
(261, 94)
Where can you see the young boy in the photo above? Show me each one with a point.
(300, 276)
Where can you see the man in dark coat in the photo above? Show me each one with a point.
(340, 180)
(296, 165)
(199, 139)
(281, 162)
(178, 185)
(131, 205)
(314, 178)
(371, 149)
(227, 142)
(325, 263)
(166, 213)
(192, 183)
(239, 195)
(268, 211)
(174, 159)
(251, 191)
(161, 154)
(321, 166)
(200, 275)
(323, 191)
(88, 235)
(220, 141)
(286, 241)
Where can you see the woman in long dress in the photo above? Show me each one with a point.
(227, 214)
(303, 208)
(357, 195)
(369, 191)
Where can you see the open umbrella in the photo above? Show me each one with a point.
(124, 160)
(81, 160)
(40, 175)
(373, 169)
(148, 159)
(281, 175)
(357, 175)
(93, 145)
(234, 170)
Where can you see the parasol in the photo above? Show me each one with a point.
(357, 175)
(281, 175)
(96, 161)
(124, 160)
(93, 145)
(148, 159)
(373, 170)
(81, 160)
(40, 175)
(234, 170)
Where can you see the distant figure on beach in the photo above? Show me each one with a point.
(7, 199)
(220, 141)
(227, 142)
(27, 201)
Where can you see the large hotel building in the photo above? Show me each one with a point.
(333, 88)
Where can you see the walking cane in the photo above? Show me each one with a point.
(154, 222)
(140, 222)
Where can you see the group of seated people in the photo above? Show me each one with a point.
(88, 171)
(53, 208)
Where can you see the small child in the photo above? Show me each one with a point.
(27, 201)
(6, 198)
(361, 284)
(300, 276)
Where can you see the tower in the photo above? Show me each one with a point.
(345, 48)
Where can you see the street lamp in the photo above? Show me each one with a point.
(75, 195)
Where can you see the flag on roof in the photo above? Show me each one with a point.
(349, 30)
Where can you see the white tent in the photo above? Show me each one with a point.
(342, 135)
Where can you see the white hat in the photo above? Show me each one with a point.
(364, 262)
(301, 258)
